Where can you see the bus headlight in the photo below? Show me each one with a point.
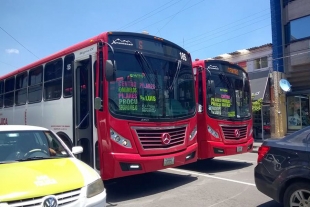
(119, 139)
(193, 133)
(94, 188)
(213, 132)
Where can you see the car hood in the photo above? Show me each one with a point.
(29, 179)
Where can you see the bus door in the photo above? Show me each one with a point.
(83, 107)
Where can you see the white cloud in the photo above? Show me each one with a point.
(10, 51)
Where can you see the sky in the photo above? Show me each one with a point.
(33, 29)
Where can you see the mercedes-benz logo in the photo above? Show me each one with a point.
(50, 202)
(165, 138)
(237, 133)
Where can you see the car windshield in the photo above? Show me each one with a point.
(30, 145)
(151, 87)
(300, 136)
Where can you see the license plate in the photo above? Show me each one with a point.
(239, 149)
(168, 161)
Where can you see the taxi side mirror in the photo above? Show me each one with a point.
(77, 150)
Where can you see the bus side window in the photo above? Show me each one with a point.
(68, 76)
(200, 93)
(1, 93)
(21, 84)
(53, 80)
(9, 86)
(35, 85)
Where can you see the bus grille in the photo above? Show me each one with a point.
(231, 132)
(151, 138)
(63, 199)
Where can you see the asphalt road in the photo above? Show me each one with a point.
(222, 182)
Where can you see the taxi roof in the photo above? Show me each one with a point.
(4, 128)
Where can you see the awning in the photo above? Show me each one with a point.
(259, 82)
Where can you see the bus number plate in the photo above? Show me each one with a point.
(239, 149)
(168, 161)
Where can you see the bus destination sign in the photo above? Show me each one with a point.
(148, 45)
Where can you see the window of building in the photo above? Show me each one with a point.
(261, 63)
(295, 30)
(53, 80)
(1, 93)
(9, 92)
(21, 88)
(35, 85)
(243, 65)
(285, 2)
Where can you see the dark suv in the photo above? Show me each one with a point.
(283, 169)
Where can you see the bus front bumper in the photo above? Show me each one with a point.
(209, 149)
(131, 164)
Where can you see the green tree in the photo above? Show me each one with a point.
(257, 105)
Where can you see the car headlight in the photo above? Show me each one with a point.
(193, 133)
(119, 139)
(94, 188)
(213, 132)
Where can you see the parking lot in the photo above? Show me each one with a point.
(226, 181)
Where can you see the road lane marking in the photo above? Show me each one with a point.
(210, 176)
(230, 197)
(238, 160)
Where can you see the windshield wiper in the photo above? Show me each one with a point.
(179, 62)
(35, 158)
(9, 161)
(141, 59)
(227, 81)
(147, 71)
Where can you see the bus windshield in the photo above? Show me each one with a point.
(230, 97)
(151, 86)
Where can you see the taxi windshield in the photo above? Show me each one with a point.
(30, 145)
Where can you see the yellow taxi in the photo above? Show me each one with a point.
(38, 169)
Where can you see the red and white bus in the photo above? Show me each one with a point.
(127, 98)
(224, 109)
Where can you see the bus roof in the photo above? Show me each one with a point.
(75, 47)
(200, 63)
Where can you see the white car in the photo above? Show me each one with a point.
(38, 169)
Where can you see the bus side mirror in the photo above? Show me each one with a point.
(110, 70)
(98, 103)
(199, 108)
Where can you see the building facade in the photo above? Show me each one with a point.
(291, 61)
(257, 61)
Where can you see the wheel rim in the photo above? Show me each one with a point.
(300, 198)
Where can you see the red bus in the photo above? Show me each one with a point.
(127, 98)
(224, 114)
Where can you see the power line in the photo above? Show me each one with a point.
(264, 49)
(8, 64)
(148, 15)
(19, 43)
(172, 15)
(230, 24)
(231, 38)
(191, 45)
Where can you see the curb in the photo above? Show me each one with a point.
(255, 150)
(256, 145)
